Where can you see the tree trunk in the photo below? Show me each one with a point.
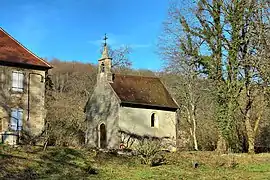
(250, 136)
(192, 122)
(195, 142)
(221, 144)
(249, 104)
(194, 126)
(251, 132)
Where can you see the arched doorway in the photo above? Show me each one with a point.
(102, 136)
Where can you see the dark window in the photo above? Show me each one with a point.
(102, 136)
(102, 67)
(153, 119)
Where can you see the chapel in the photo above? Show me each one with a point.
(125, 108)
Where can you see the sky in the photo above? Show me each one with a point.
(73, 29)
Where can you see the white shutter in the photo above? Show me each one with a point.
(2, 81)
(20, 119)
(2, 77)
(20, 81)
(13, 119)
(15, 81)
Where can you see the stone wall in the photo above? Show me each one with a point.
(102, 108)
(9, 99)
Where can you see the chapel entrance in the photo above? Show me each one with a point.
(102, 136)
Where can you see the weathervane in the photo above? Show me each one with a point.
(105, 39)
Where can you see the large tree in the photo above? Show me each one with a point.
(254, 65)
(216, 39)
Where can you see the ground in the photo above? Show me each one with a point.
(69, 163)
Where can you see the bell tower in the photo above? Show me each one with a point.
(105, 64)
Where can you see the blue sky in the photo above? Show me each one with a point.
(73, 29)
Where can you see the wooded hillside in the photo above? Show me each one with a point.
(73, 83)
(216, 57)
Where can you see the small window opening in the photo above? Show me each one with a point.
(153, 120)
(102, 67)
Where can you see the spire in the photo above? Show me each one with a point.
(105, 53)
(105, 64)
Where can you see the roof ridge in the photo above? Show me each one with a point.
(154, 77)
(20, 44)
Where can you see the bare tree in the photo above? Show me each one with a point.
(254, 60)
(217, 40)
(177, 63)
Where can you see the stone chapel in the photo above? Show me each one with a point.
(124, 107)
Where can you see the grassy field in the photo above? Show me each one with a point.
(66, 163)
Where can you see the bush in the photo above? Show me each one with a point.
(149, 151)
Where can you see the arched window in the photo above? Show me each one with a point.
(154, 120)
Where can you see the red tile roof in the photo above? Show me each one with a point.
(12, 51)
(142, 90)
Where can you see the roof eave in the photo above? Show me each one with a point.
(153, 106)
(24, 65)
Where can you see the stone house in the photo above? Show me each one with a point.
(22, 90)
(125, 107)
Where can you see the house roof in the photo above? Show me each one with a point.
(11, 51)
(142, 90)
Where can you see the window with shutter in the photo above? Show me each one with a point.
(2, 78)
(17, 81)
(13, 120)
(20, 118)
(1, 75)
(16, 119)
(1, 124)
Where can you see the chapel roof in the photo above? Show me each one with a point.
(142, 90)
(11, 51)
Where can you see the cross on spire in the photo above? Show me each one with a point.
(105, 54)
(105, 39)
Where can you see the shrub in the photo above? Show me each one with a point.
(149, 151)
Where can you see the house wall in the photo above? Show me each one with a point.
(9, 99)
(102, 107)
(138, 121)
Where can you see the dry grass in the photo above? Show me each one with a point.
(67, 163)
